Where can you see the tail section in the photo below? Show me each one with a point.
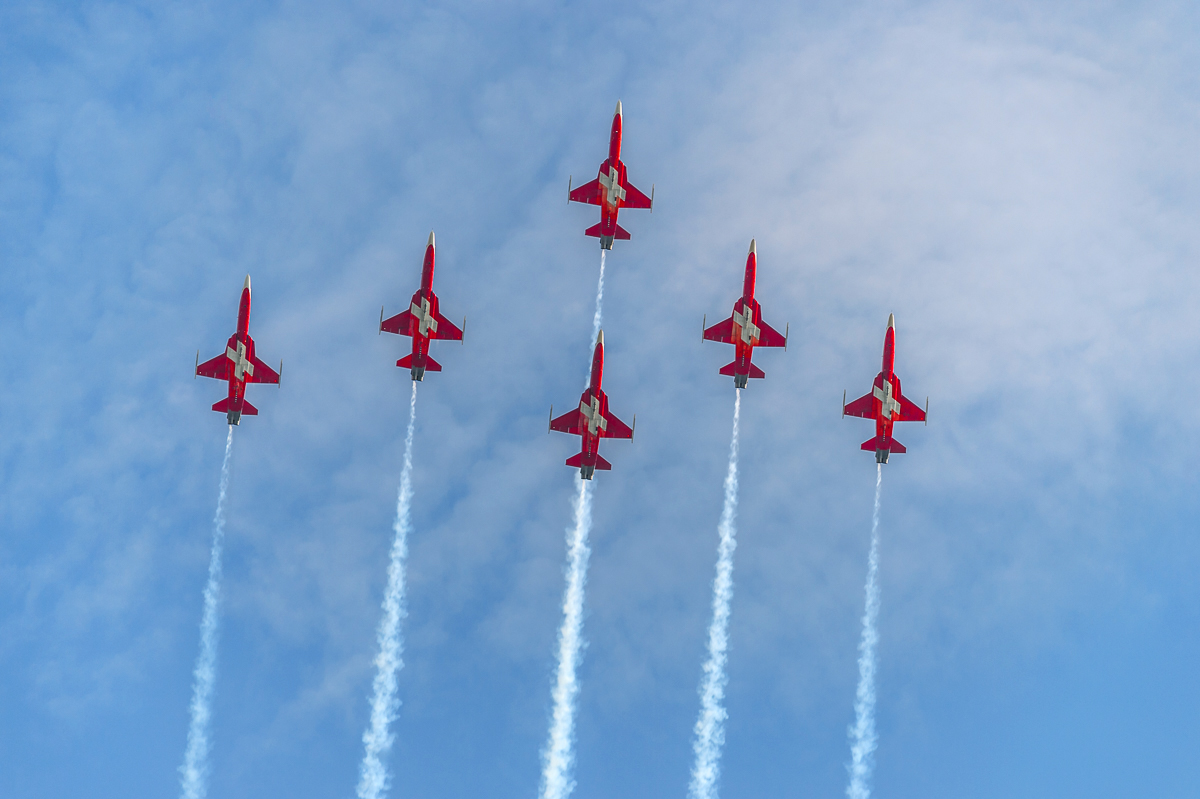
(594, 231)
(621, 234)
(247, 408)
(586, 469)
(430, 364)
(731, 370)
(876, 444)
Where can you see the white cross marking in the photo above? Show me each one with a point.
(750, 331)
(884, 394)
(612, 182)
(593, 415)
(241, 365)
(426, 320)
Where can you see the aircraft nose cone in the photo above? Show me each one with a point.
(753, 247)
(600, 338)
(246, 285)
(891, 320)
(430, 244)
(618, 108)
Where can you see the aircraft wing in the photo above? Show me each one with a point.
(769, 336)
(400, 323)
(568, 423)
(910, 411)
(634, 197)
(218, 367)
(864, 406)
(587, 193)
(262, 373)
(721, 331)
(446, 330)
(616, 428)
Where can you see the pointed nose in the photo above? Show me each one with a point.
(891, 320)
(430, 244)
(246, 285)
(600, 339)
(752, 247)
(618, 108)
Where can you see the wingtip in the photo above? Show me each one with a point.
(430, 244)
(618, 108)
(753, 247)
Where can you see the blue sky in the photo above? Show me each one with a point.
(1016, 184)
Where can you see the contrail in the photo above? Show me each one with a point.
(710, 727)
(559, 756)
(194, 771)
(374, 778)
(599, 301)
(862, 734)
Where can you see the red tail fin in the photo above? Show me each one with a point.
(728, 369)
(876, 443)
(576, 461)
(223, 407)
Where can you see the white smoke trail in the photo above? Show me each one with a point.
(194, 771)
(558, 758)
(599, 301)
(862, 749)
(373, 780)
(710, 727)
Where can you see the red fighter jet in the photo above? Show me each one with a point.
(423, 321)
(612, 191)
(239, 365)
(591, 420)
(745, 330)
(885, 404)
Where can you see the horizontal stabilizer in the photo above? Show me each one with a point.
(405, 362)
(248, 409)
(728, 369)
(222, 406)
(594, 230)
(876, 444)
(431, 365)
(623, 235)
(576, 461)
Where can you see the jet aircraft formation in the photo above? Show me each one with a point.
(745, 329)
